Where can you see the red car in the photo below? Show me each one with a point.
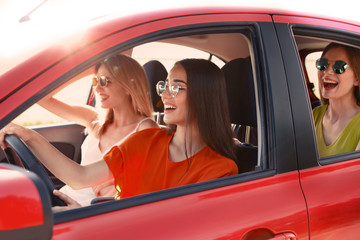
(283, 191)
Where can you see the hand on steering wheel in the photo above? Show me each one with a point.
(31, 163)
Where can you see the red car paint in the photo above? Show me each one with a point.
(11, 199)
(317, 202)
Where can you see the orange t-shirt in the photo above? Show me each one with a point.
(141, 165)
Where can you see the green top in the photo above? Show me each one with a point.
(347, 140)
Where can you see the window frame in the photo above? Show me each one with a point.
(267, 168)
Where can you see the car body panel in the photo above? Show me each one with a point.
(25, 205)
(332, 201)
(226, 212)
(11, 201)
(318, 22)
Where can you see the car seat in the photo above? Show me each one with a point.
(155, 72)
(242, 107)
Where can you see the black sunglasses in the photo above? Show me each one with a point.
(339, 66)
(100, 79)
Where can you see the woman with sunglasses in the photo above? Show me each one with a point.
(122, 89)
(337, 121)
(199, 146)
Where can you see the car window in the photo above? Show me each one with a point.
(236, 61)
(329, 148)
(235, 56)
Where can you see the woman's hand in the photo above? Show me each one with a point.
(24, 133)
(71, 203)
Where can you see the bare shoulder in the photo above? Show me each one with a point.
(147, 123)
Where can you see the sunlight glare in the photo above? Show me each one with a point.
(49, 22)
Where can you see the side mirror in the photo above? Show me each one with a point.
(25, 206)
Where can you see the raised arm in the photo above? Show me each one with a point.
(68, 171)
(83, 115)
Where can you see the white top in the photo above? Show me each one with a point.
(90, 153)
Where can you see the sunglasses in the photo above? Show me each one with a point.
(104, 81)
(339, 66)
(173, 89)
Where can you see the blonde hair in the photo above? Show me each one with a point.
(131, 76)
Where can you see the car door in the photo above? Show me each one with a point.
(265, 203)
(261, 204)
(331, 185)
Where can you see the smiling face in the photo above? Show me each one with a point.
(113, 95)
(175, 107)
(337, 86)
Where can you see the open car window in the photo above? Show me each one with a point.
(310, 49)
(236, 61)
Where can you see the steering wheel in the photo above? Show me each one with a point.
(31, 163)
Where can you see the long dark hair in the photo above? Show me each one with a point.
(207, 105)
(354, 57)
(130, 74)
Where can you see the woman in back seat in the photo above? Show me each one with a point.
(337, 120)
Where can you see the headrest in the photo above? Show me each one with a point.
(240, 91)
(155, 72)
